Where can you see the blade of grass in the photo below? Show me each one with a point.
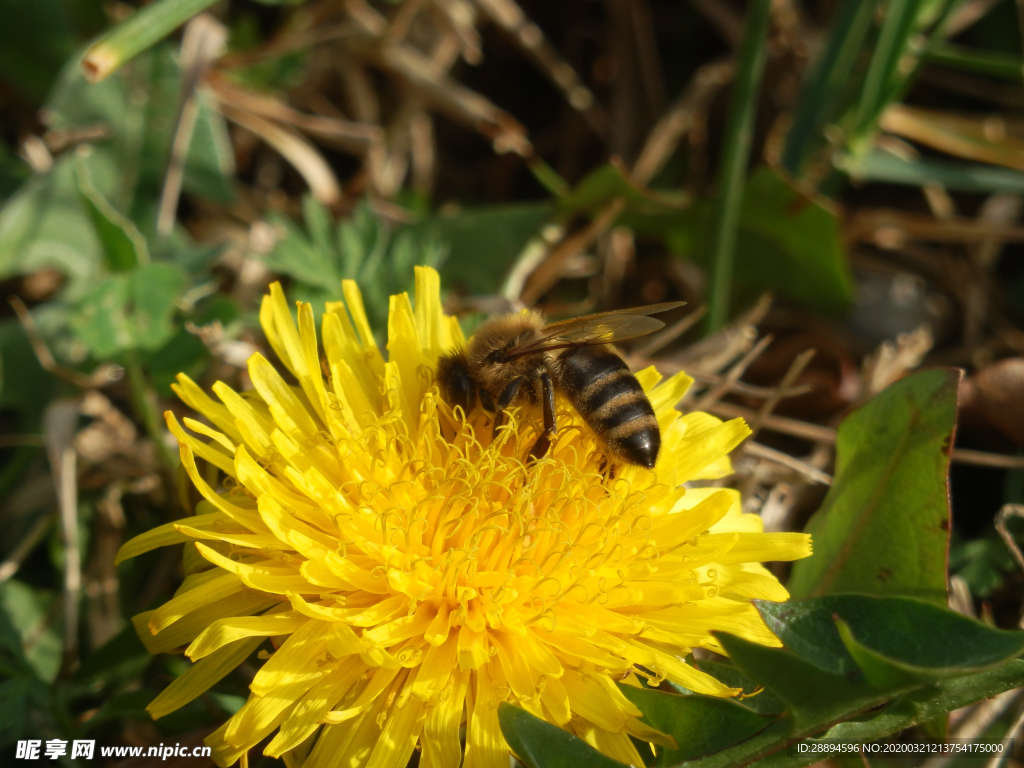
(138, 32)
(817, 101)
(962, 177)
(1005, 66)
(735, 156)
(897, 26)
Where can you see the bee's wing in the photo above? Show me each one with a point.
(590, 330)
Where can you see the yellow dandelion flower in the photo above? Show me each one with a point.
(411, 575)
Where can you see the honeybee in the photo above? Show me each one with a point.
(521, 359)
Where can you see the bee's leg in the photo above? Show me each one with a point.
(550, 426)
(487, 401)
(506, 397)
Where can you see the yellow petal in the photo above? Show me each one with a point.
(202, 676)
(306, 717)
(441, 744)
(229, 630)
(165, 535)
(220, 586)
(485, 746)
(401, 731)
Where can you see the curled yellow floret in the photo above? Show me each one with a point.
(410, 574)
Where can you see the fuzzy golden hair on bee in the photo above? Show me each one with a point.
(520, 359)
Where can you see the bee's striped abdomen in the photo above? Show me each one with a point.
(612, 402)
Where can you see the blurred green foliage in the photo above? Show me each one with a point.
(127, 295)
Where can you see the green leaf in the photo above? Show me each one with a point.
(912, 709)
(893, 38)
(28, 611)
(908, 649)
(788, 242)
(129, 310)
(44, 224)
(123, 657)
(130, 704)
(700, 725)
(484, 242)
(879, 671)
(983, 563)
(883, 528)
(812, 696)
(123, 244)
(754, 697)
(903, 630)
(36, 38)
(362, 248)
(793, 243)
(539, 744)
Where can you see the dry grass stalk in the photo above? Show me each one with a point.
(293, 147)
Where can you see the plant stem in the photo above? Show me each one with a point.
(735, 154)
(138, 32)
(144, 403)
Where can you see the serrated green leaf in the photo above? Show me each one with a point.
(883, 528)
(700, 725)
(362, 248)
(539, 744)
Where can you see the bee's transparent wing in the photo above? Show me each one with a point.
(591, 330)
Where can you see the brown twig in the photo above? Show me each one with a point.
(1005, 513)
(203, 42)
(797, 368)
(732, 375)
(889, 226)
(817, 433)
(673, 332)
(303, 156)
(24, 548)
(60, 422)
(770, 454)
(664, 138)
(550, 270)
(105, 374)
(528, 36)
